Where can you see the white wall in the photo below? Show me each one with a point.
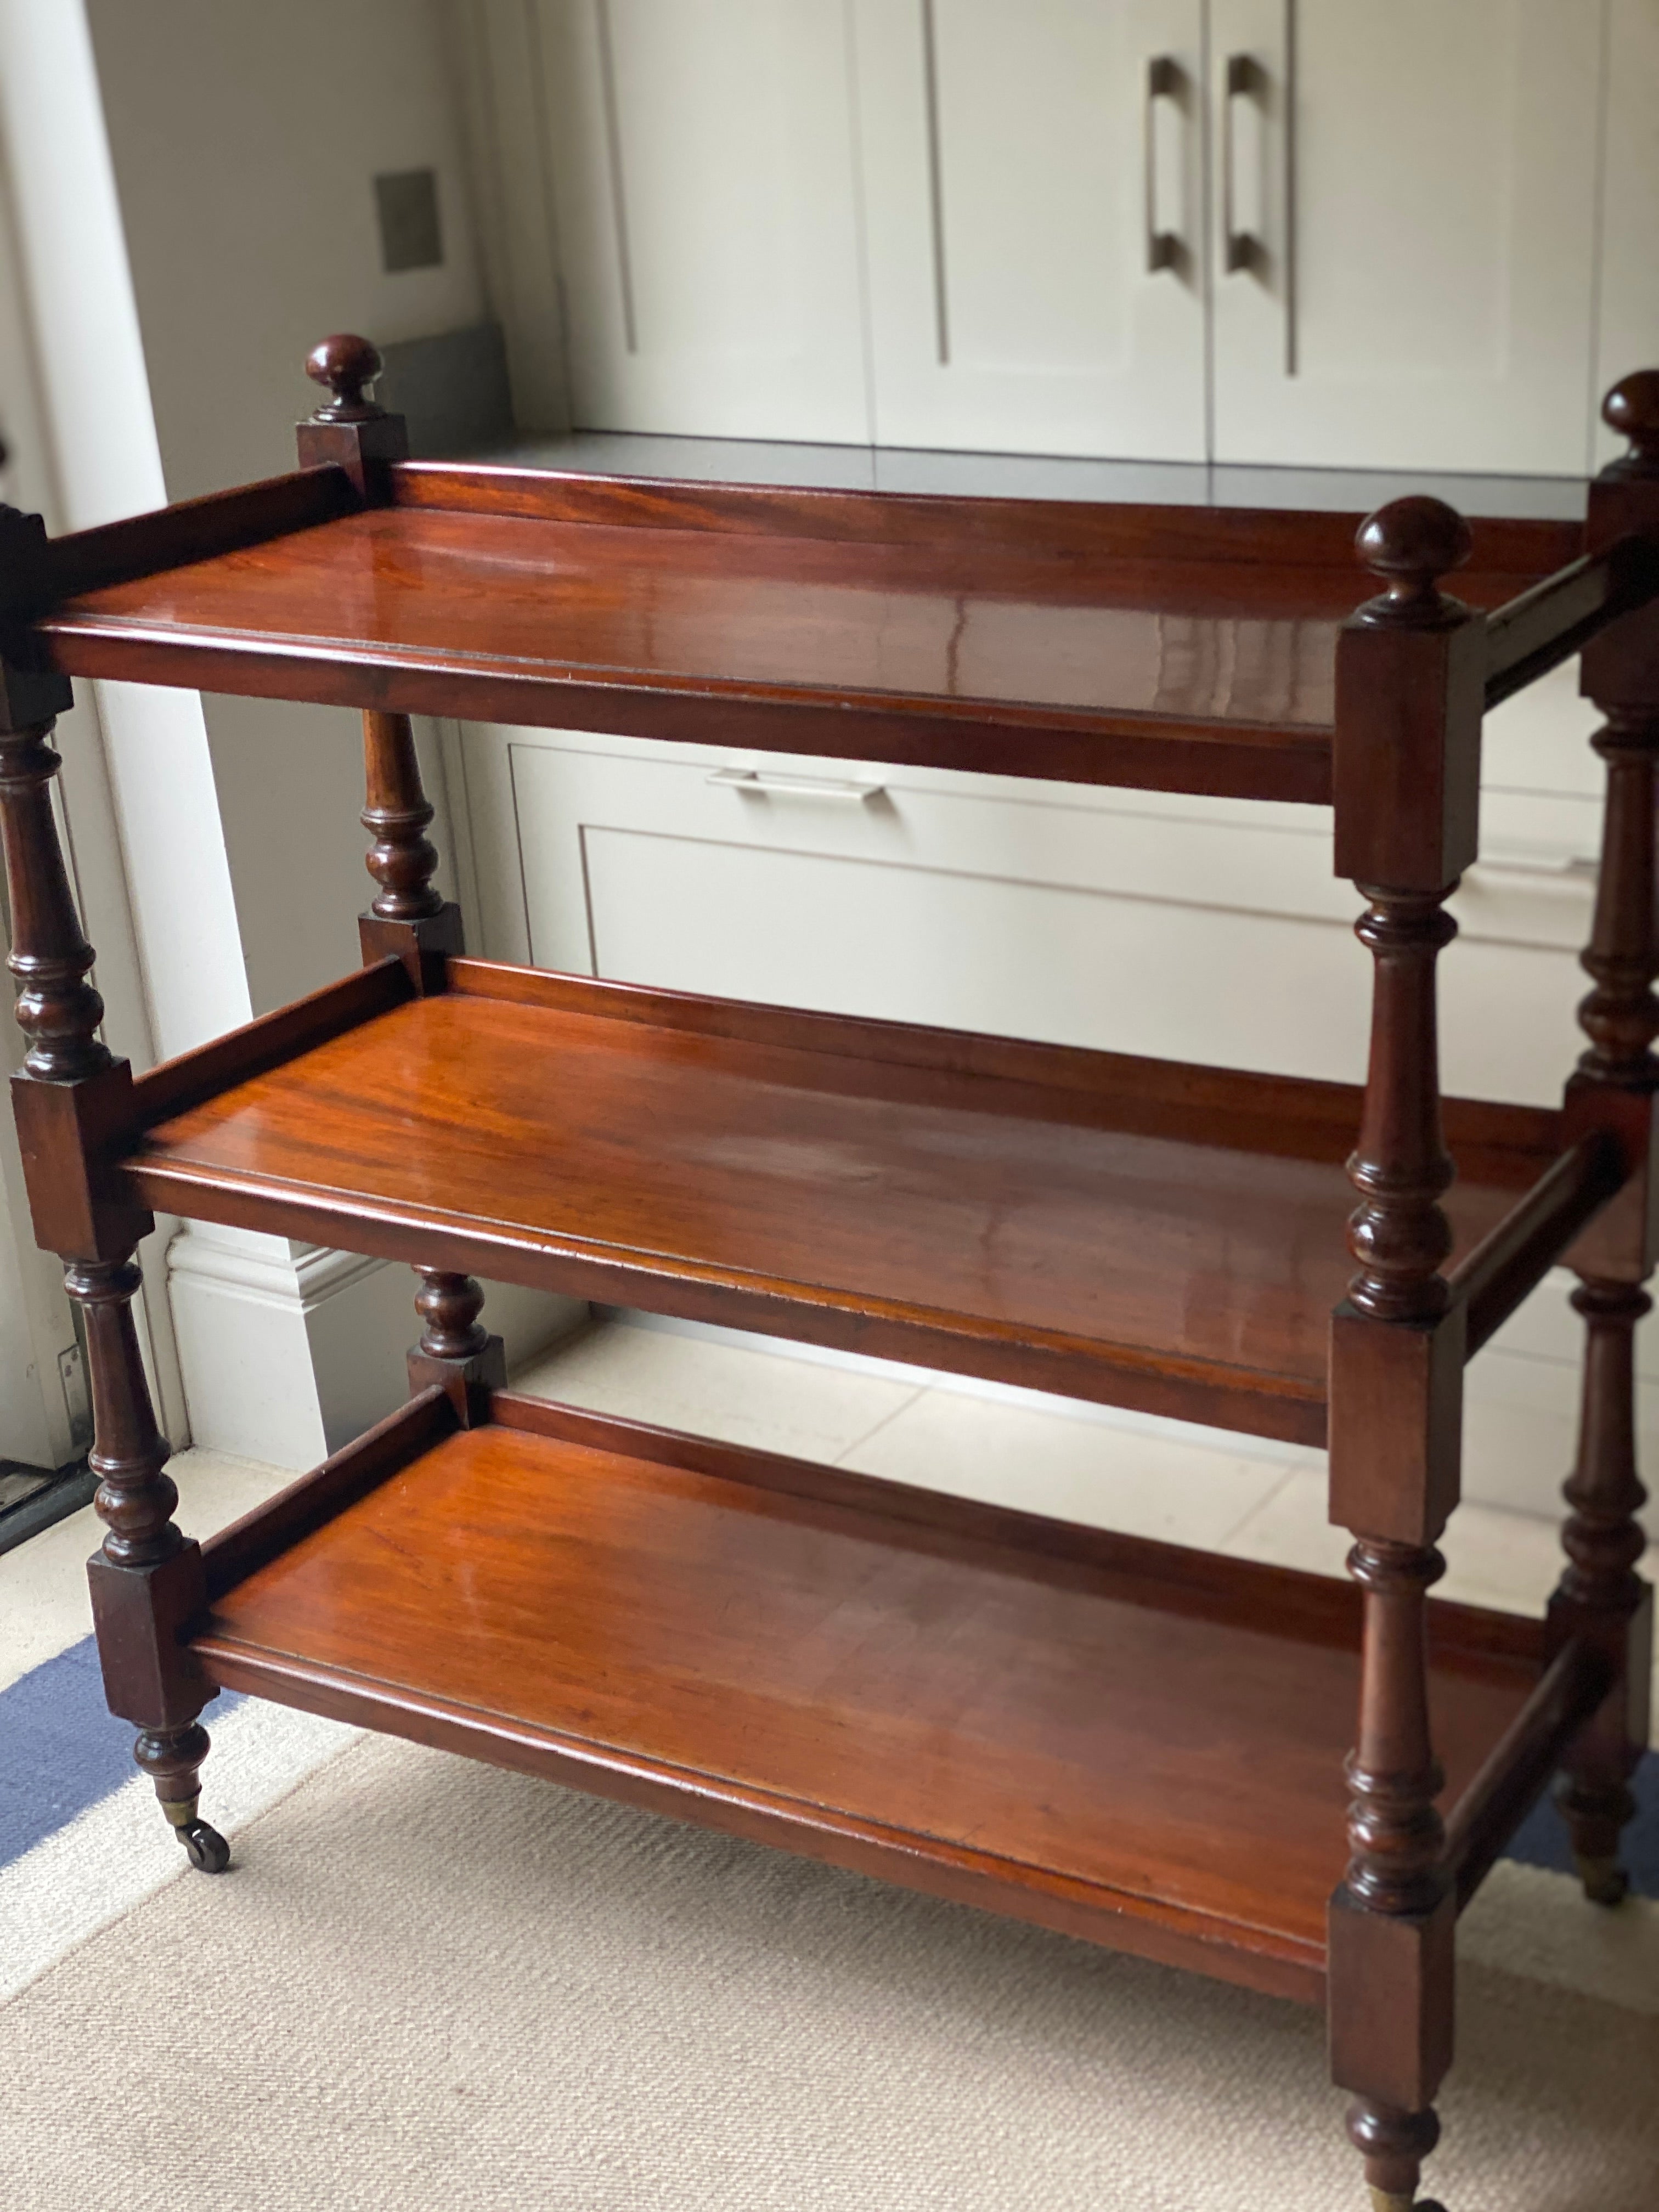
(196, 209)
(157, 905)
(245, 138)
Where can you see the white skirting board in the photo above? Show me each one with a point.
(289, 1352)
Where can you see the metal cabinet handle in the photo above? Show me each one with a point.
(1241, 249)
(1162, 82)
(795, 786)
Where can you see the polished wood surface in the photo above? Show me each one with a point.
(1412, 665)
(1119, 1738)
(1535, 633)
(1518, 1769)
(1110, 1737)
(57, 1008)
(409, 916)
(1494, 1279)
(1186, 649)
(1602, 1598)
(1125, 1230)
(396, 813)
(146, 1581)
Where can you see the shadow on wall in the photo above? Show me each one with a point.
(453, 390)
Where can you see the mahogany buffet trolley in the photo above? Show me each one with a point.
(1126, 1741)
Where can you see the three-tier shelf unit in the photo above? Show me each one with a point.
(1131, 1742)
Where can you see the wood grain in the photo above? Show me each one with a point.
(937, 1703)
(1128, 1230)
(1183, 649)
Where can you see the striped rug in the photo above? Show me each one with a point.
(427, 1984)
(80, 1837)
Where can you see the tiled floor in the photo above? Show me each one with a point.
(1226, 1494)
(1200, 1486)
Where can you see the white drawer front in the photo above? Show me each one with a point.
(1103, 919)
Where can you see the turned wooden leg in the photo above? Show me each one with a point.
(1602, 1597)
(1393, 1921)
(172, 1759)
(1407, 720)
(147, 1580)
(455, 1350)
(1394, 2145)
(72, 1100)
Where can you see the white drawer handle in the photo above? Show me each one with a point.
(796, 787)
(1576, 866)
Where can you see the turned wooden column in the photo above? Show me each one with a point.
(147, 1581)
(1409, 674)
(1601, 1599)
(403, 860)
(57, 1009)
(73, 1099)
(408, 916)
(455, 1350)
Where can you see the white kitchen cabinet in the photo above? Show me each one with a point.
(1127, 920)
(1033, 184)
(701, 161)
(1323, 233)
(1411, 195)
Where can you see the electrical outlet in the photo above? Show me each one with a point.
(77, 1397)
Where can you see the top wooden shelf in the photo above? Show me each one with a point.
(1175, 648)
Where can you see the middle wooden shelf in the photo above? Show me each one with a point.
(1147, 1234)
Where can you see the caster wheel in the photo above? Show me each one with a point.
(1605, 1880)
(204, 1847)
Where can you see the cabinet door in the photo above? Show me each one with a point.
(702, 157)
(1017, 161)
(1413, 194)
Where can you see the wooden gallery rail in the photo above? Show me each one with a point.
(1129, 1741)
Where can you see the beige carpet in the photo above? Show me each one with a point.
(431, 1985)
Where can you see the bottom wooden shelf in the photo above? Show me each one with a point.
(1121, 1740)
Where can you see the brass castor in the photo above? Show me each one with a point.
(1605, 1880)
(204, 1847)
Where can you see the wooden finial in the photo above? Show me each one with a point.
(1631, 409)
(1411, 544)
(347, 365)
(349, 431)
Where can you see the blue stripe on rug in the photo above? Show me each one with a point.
(61, 1750)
